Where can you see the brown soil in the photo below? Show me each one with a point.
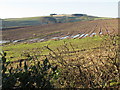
(62, 29)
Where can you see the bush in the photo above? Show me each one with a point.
(35, 75)
(94, 68)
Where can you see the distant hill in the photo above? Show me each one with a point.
(53, 18)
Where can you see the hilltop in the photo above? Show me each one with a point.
(51, 19)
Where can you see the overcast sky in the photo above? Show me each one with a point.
(31, 8)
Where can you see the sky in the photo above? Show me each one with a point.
(32, 8)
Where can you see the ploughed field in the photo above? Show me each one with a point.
(59, 32)
(85, 55)
(63, 30)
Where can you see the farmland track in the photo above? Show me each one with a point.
(109, 26)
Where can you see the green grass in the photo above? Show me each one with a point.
(14, 51)
(20, 22)
(30, 21)
(102, 18)
(25, 18)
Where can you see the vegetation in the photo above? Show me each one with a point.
(14, 51)
(70, 65)
(31, 21)
(90, 61)
(21, 22)
(27, 75)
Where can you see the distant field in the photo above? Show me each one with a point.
(62, 29)
(41, 20)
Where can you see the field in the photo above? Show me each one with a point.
(85, 54)
(49, 31)
(14, 51)
(41, 20)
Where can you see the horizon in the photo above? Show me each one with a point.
(37, 8)
(57, 14)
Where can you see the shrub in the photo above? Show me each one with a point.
(33, 75)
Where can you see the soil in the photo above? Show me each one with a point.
(108, 26)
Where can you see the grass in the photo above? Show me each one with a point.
(102, 18)
(31, 21)
(95, 67)
(14, 51)
(20, 22)
(25, 18)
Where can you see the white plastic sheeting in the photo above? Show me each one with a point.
(55, 38)
(64, 37)
(4, 42)
(92, 34)
(82, 35)
(76, 36)
(86, 35)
